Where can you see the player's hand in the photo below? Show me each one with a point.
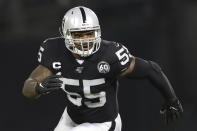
(49, 84)
(171, 110)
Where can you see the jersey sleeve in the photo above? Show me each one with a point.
(121, 58)
(45, 55)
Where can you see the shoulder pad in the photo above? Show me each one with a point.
(50, 51)
(118, 56)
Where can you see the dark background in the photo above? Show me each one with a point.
(160, 30)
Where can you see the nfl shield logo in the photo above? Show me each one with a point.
(79, 69)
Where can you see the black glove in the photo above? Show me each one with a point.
(171, 110)
(49, 84)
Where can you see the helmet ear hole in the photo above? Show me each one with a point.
(73, 21)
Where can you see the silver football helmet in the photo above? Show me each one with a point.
(81, 19)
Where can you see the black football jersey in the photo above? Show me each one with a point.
(91, 87)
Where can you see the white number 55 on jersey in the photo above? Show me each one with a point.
(87, 92)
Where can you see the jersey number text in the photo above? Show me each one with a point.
(123, 56)
(87, 93)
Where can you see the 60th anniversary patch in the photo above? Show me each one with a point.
(103, 67)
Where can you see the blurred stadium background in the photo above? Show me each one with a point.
(164, 31)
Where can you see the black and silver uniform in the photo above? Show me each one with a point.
(91, 87)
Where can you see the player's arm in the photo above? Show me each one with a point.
(140, 68)
(130, 69)
(37, 76)
(41, 81)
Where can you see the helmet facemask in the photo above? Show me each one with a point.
(83, 47)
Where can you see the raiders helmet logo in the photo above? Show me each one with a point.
(103, 67)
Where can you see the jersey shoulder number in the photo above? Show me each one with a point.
(123, 54)
(48, 53)
(121, 57)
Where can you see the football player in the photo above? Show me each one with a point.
(87, 69)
